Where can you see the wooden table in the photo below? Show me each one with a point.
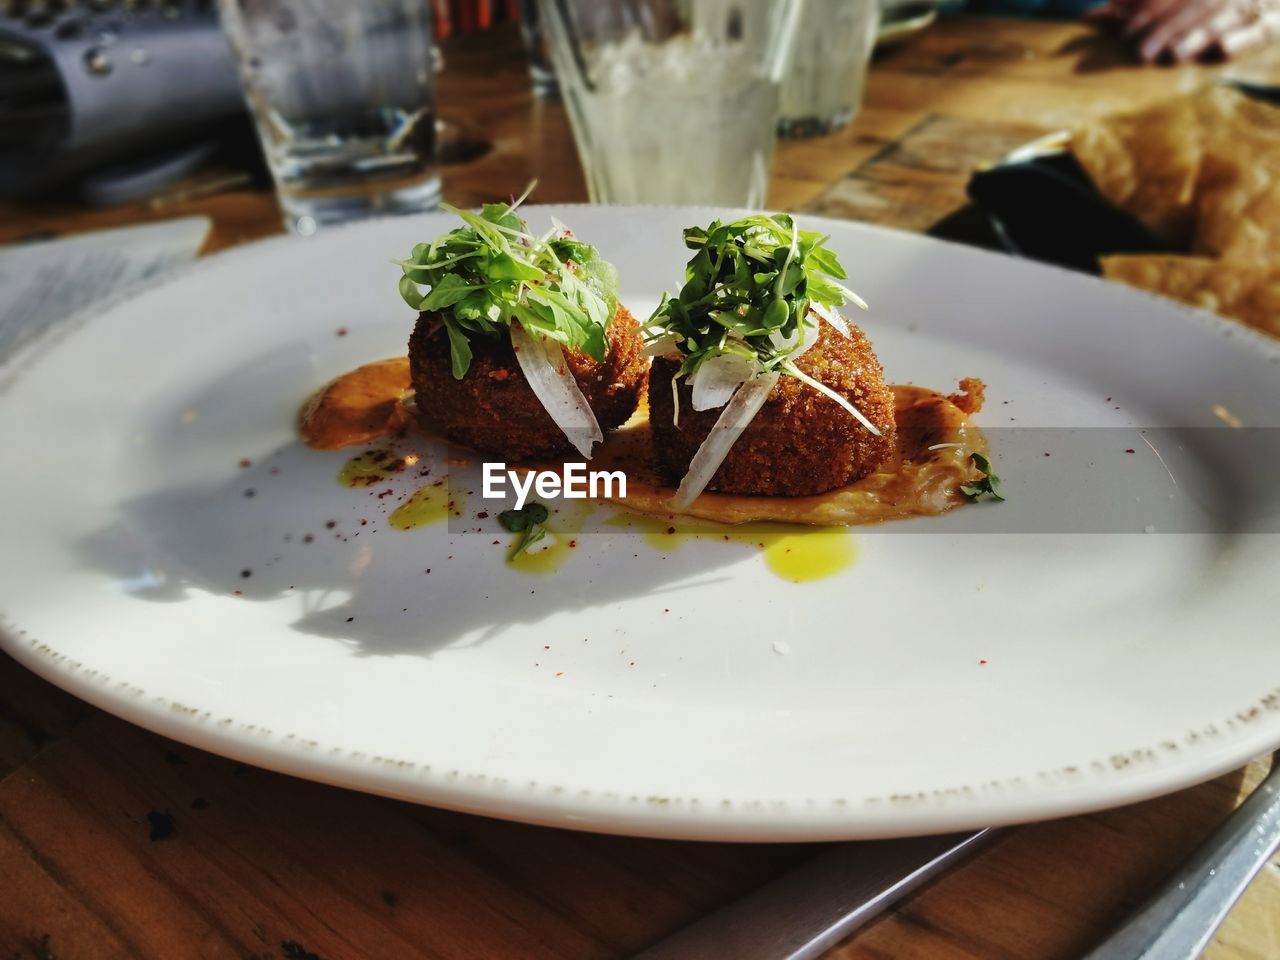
(118, 843)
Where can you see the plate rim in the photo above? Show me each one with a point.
(1130, 777)
(942, 811)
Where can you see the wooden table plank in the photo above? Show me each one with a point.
(262, 865)
(256, 859)
(1065, 881)
(920, 178)
(30, 718)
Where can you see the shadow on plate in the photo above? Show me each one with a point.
(284, 529)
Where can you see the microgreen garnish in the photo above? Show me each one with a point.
(528, 522)
(748, 291)
(491, 271)
(989, 485)
(750, 306)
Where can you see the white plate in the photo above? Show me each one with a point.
(1117, 665)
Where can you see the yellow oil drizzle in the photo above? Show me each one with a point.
(544, 559)
(795, 552)
(369, 468)
(429, 504)
(568, 518)
(814, 553)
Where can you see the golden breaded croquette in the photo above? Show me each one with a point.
(801, 442)
(494, 411)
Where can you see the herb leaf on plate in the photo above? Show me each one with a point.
(988, 486)
(528, 522)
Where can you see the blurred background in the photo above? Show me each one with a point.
(108, 102)
(293, 115)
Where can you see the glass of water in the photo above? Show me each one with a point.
(343, 97)
(541, 70)
(673, 101)
(823, 89)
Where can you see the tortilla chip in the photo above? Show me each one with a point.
(1146, 163)
(1248, 292)
(1238, 202)
(1149, 162)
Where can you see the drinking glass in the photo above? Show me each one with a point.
(673, 101)
(541, 70)
(343, 97)
(824, 84)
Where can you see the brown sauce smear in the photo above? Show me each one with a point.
(358, 407)
(369, 403)
(915, 482)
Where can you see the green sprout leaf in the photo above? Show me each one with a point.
(748, 290)
(459, 348)
(409, 291)
(988, 486)
(528, 522)
(450, 289)
(490, 271)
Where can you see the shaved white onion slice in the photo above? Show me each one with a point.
(557, 231)
(737, 416)
(834, 318)
(811, 334)
(665, 344)
(804, 378)
(714, 382)
(543, 365)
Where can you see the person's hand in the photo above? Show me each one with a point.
(1187, 29)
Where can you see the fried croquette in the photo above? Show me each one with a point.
(493, 409)
(801, 442)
